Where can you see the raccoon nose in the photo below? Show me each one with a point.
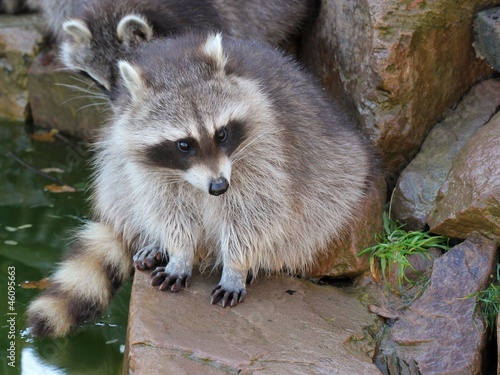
(218, 187)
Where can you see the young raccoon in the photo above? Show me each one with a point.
(108, 30)
(219, 148)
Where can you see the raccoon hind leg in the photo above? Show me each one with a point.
(148, 257)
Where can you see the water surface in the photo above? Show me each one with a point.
(35, 228)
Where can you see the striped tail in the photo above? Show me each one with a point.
(96, 266)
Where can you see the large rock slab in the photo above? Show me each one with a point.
(418, 185)
(487, 36)
(469, 200)
(442, 333)
(341, 259)
(65, 100)
(401, 63)
(285, 326)
(19, 44)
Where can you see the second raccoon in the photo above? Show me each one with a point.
(106, 31)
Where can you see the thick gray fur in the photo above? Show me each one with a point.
(297, 172)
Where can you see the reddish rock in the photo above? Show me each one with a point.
(285, 326)
(401, 63)
(19, 44)
(442, 333)
(419, 183)
(341, 259)
(469, 200)
(65, 100)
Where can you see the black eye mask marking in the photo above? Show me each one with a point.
(235, 134)
(182, 154)
(172, 154)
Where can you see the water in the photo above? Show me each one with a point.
(35, 230)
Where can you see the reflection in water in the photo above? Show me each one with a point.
(34, 232)
(31, 364)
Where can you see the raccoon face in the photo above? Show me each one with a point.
(203, 158)
(95, 53)
(186, 119)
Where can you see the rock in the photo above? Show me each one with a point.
(469, 200)
(442, 333)
(285, 326)
(401, 63)
(486, 28)
(65, 100)
(19, 44)
(342, 260)
(419, 183)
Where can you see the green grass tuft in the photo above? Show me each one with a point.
(489, 301)
(394, 247)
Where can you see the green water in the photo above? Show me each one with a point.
(35, 230)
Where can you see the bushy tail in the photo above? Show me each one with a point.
(96, 265)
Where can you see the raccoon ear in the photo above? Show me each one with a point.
(133, 80)
(78, 30)
(213, 49)
(134, 28)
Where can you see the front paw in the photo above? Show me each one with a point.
(147, 257)
(227, 296)
(173, 279)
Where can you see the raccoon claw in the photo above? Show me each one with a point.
(168, 280)
(147, 257)
(227, 297)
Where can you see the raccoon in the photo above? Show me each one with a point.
(220, 149)
(108, 30)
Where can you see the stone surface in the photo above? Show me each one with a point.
(402, 64)
(419, 183)
(469, 200)
(65, 100)
(342, 260)
(442, 333)
(486, 28)
(19, 44)
(285, 326)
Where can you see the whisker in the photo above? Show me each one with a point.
(81, 89)
(81, 97)
(91, 105)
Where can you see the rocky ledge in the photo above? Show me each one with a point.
(286, 326)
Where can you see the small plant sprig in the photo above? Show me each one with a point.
(394, 247)
(489, 300)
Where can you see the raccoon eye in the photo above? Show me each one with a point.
(184, 146)
(222, 136)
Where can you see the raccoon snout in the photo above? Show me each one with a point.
(218, 187)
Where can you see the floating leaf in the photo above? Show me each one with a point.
(52, 170)
(10, 242)
(45, 136)
(25, 226)
(59, 188)
(42, 284)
